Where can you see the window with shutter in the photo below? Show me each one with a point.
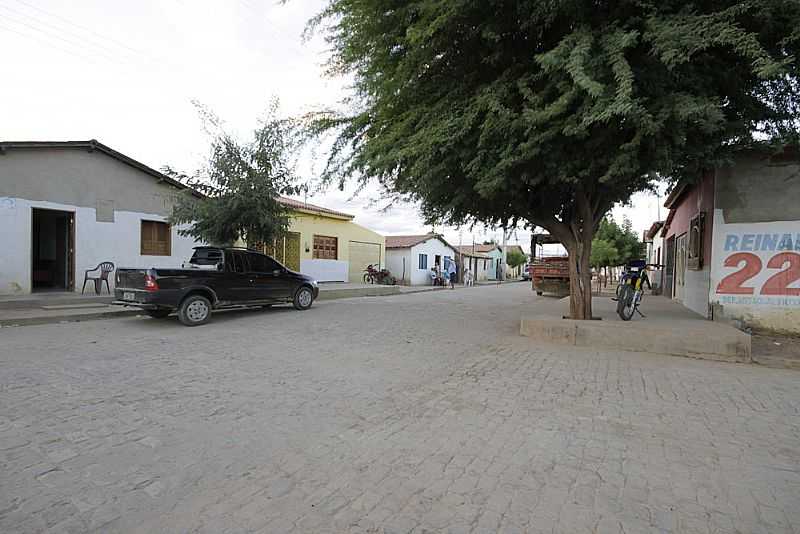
(694, 259)
(326, 247)
(156, 239)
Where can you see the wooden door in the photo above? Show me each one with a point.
(680, 266)
(669, 267)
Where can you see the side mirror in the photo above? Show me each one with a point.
(277, 272)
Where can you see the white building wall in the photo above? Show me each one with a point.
(431, 247)
(484, 266)
(326, 270)
(655, 255)
(766, 293)
(394, 262)
(118, 242)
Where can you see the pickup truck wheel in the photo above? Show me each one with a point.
(194, 310)
(303, 298)
(158, 314)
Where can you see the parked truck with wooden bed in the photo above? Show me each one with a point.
(550, 275)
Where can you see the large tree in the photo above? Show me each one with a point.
(241, 183)
(551, 112)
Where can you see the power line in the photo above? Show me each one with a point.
(111, 39)
(70, 36)
(49, 44)
(71, 42)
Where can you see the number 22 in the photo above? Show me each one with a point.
(732, 283)
(777, 284)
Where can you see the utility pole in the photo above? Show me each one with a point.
(503, 261)
(460, 263)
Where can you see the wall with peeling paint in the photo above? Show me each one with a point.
(755, 268)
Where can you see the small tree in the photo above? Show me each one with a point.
(623, 238)
(515, 258)
(604, 254)
(241, 184)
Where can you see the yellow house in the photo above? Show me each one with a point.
(327, 244)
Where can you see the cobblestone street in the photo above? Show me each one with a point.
(414, 413)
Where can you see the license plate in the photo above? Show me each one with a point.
(128, 295)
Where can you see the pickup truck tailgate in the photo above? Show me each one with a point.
(130, 278)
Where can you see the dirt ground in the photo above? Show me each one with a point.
(776, 351)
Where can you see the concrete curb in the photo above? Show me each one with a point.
(74, 318)
(707, 340)
(346, 293)
(330, 294)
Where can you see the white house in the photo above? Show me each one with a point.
(411, 257)
(495, 256)
(655, 247)
(479, 263)
(67, 206)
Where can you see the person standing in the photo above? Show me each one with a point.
(451, 273)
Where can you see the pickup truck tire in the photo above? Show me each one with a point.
(158, 314)
(303, 298)
(194, 310)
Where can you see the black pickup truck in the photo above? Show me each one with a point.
(217, 278)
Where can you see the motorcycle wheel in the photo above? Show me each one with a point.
(367, 279)
(625, 304)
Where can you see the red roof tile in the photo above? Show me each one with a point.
(406, 241)
(299, 204)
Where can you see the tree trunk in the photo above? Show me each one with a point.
(576, 232)
(580, 279)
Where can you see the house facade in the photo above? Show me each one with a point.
(687, 238)
(410, 258)
(654, 242)
(732, 242)
(327, 244)
(477, 262)
(495, 257)
(67, 206)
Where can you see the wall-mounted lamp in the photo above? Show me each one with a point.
(307, 249)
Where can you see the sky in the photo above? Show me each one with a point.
(126, 74)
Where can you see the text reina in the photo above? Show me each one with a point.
(756, 242)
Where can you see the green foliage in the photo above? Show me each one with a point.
(604, 253)
(515, 258)
(495, 111)
(622, 238)
(241, 183)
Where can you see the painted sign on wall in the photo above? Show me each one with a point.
(756, 264)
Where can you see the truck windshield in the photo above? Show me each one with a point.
(206, 256)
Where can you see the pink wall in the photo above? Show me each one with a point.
(699, 198)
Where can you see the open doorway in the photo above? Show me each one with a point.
(52, 258)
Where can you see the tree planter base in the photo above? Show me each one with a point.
(696, 339)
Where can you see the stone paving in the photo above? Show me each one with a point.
(417, 413)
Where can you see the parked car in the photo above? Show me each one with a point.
(526, 272)
(217, 278)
